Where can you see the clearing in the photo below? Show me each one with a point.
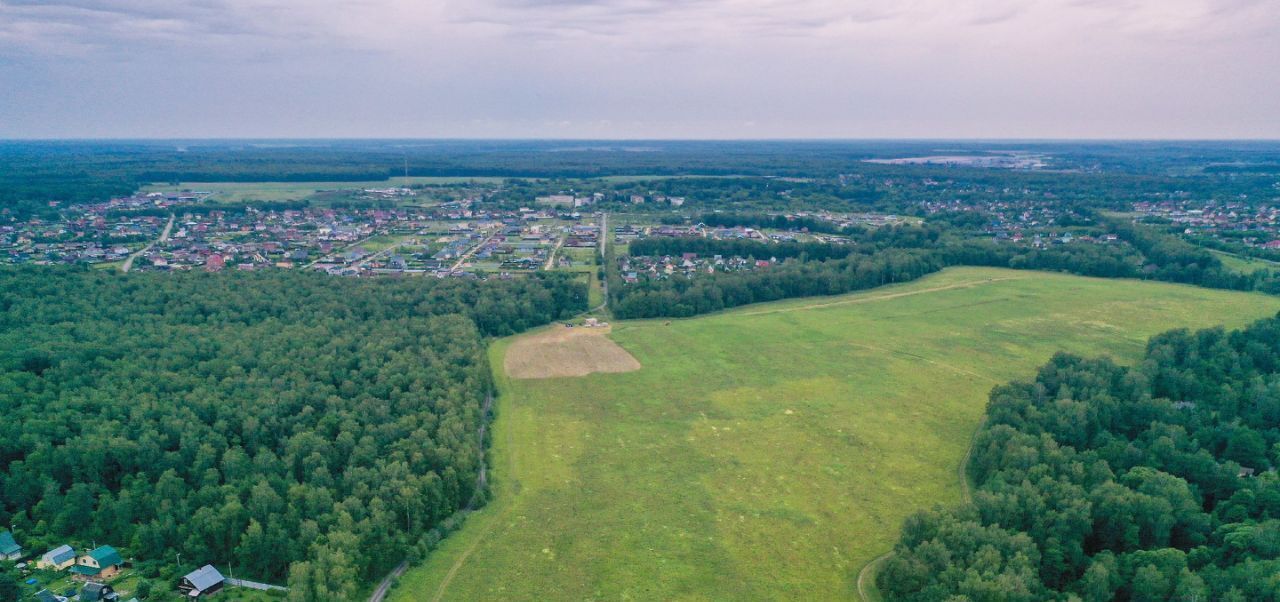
(771, 452)
(559, 351)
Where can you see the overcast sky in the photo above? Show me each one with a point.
(640, 68)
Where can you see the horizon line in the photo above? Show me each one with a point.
(584, 139)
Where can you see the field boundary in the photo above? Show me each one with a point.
(863, 298)
(966, 497)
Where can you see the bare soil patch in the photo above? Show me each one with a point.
(564, 352)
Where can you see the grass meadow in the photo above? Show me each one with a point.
(1243, 264)
(239, 192)
(770, 452)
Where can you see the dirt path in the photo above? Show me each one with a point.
(866, 571)
(462, 559)
(966, 496)
(869, 299)
(551, 257)
(381, 593)
(488, 528)
(482, 481)
(164, 235)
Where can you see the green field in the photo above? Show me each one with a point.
(772, 451)
(239, 192)
(1244, 265)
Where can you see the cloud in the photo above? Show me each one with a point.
(391, 25)
(678, 67)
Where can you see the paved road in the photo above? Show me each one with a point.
(343, 249)
(468, 254)
(604, 232)
(256, 585)
(604, 245)
(164, 235)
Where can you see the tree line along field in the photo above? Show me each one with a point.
(290, 427)
(773, 451)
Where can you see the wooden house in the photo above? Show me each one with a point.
(101, 563)
(202, 582)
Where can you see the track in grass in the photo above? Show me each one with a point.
(772, 452)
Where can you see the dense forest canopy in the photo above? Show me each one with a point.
(292, 425)
(32, 173)
(1101, 482)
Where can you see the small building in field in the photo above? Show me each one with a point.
(101, 563)
(98, 592)
(202, 582)
(57, 559)
(9, 548)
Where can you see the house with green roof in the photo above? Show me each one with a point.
(9, 548)
(101, 563)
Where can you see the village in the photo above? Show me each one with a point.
(1249, 224)
(635, 269)
(166, 233)
(101, 573)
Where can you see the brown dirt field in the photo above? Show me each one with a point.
(561, 352)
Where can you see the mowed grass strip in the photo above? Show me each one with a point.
(770, 452)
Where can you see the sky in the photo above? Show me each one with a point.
(636, 69)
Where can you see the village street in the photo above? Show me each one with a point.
(164, 235)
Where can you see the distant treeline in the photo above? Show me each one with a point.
(776, 222)
(708, 247)
(1099, 482)
(740, 176)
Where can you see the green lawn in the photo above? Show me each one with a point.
(383, 242)
(771, 451)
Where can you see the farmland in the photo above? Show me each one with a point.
(772, 451)
(239, 192)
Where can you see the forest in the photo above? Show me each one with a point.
(1103, 482)
(294, 427)
(736, 176)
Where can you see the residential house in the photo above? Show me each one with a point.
(45, 595)
(9, 548)
(98, 592)
(103, 563)
(202, 582)
(215, 263)
(57, 559)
